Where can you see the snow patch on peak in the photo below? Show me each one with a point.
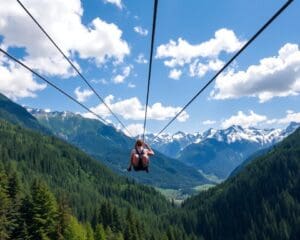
(179, 135)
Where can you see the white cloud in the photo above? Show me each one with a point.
(244, 120)
(118, 3)
(135, 129)
(99, 41)
(132, 109)
(160, 112)
(277, 76)
(175, 74)
(291, 116)
(16, 82)
(120, 78)
(97, 81)
(83, 95)
(131, 85)
(201, 58)
(141, 59)
(200, 69)
(182, 52)
(209, 122)
(140, 30)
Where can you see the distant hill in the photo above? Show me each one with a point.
(103, 142)
(218, 152)
(249, 160)
(261, 202)
(16, 114)
(113, 148)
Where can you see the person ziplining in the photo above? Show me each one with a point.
(140, 155)
(139, 158)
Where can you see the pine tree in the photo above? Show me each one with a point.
(100, 233)
(116, 221)
(14, 193)
(64, 215)
(89, 232)
(131, 232)
(118, 236)
(4, 206)
(44, 212)
(109, 234)
(74, 230)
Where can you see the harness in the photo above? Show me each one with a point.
(140, 163)
(139, 153)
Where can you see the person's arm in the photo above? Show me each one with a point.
(150, 151)
(130, 160)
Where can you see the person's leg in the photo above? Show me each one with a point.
(145, 160)
(133, 161)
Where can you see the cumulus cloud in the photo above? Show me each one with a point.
(83, 95)
(132, 109)
(140, 30)
(99, 81)
(291, 116)
(277, 76)
(209, 122)
(135, 129)
(199, 69)
(120, 78)
(99, 40)
(202, 57)
(175, 74)
(117, 3)
(182, 52)
(244, 120)
(16, 82)
(131, 85)
(141, 59)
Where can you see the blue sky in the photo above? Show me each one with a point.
(110, 40)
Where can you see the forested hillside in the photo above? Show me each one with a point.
(261, 202)
(16, 114)
(93, 194)
(51, 190)
(112, 148)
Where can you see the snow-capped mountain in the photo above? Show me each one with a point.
(48, 113)
(112, 147)
(214, 152)
(218, 152)
(172, 145)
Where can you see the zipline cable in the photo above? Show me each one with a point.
(227, 64)
(72, 65)
(150, 64)
(51, 84)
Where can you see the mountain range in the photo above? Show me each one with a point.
(218, 152)
(261, 201)
(112, 148)
(201, 158)
(207, 157)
